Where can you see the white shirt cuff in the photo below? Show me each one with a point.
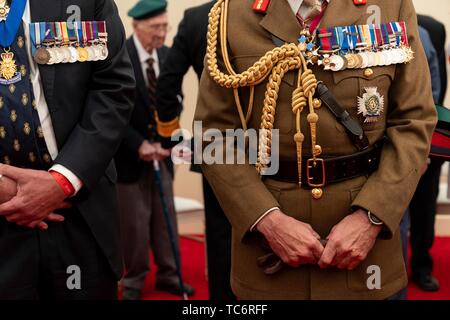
(77, 184)
(262, 217)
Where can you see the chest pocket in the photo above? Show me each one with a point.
(284, 118)
(351, 84)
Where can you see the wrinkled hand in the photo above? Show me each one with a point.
(295, 242)
(38, 196)
(350, 242)
(8, 189)
(152, 151)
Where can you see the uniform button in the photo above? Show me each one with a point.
(317, 193)
(368, 72)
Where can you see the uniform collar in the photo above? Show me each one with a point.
(296, 4)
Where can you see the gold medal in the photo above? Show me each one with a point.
(8, 67)
(82, 54)
(351, 60)
(42, 56)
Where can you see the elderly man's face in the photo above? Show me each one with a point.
(152, 32)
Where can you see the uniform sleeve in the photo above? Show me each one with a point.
(239, 188)
(410, 123)
(108, 107)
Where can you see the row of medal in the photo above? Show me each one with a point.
(64, 42)
(358, 47)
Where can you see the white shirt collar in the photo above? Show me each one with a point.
(296, 4)
(142, 53)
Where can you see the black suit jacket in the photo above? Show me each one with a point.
(189, 49)
(90, 104)
(438, 37)
(129, 166)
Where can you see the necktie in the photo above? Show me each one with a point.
(152, 82)
(309, 10)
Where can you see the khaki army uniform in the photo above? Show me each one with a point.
(407, 121)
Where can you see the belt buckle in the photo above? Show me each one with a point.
(315, 166)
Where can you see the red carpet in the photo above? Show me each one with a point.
(193, 260)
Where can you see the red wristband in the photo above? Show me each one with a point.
(64, 183)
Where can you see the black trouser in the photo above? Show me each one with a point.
(423, 209)
(218, 238)
(34, 264)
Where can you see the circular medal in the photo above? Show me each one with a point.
(65, 54)
(365, 59)
(91, 54)
(401, 56)
(73, 54)
(359, 61)
(98, 52)
(82, 54)
(337, 63)
(42, 56)
(58, 55)
(378, 58)
(387, 58)
(372, 56)
(105, 52)
(53, 57)
(352, 60)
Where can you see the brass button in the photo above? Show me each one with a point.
(368, 72)
(317, 150)
(317, 193)
(317, 103)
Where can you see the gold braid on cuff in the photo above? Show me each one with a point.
(166, 129)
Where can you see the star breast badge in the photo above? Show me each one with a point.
(371, 105)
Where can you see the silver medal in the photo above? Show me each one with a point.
(337, 63)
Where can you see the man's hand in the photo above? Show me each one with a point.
(295, 242)
(350, 242)
(152, 151)
(38, 196)
(8, 189)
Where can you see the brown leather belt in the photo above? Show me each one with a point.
(329, 170)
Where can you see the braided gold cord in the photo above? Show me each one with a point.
(274, 64)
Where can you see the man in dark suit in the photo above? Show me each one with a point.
(59, 226)
(139, 199)
(423, 206)
(189, 50)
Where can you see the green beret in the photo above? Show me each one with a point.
(145, 9)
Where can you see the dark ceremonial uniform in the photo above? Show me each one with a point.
(87, 106)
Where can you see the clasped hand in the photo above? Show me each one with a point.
(29, 198)
(296, 243)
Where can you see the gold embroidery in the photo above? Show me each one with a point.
(20, 42)
(24, 99)
(23, 70)
(32, 157)
(13, 115)
(2, 102)
(2, 132)
(6, 160)
(40, 132)
(47, 158)
(27, 128)
(16, 145)
(12, 88)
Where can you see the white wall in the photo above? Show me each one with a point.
(188, 184)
